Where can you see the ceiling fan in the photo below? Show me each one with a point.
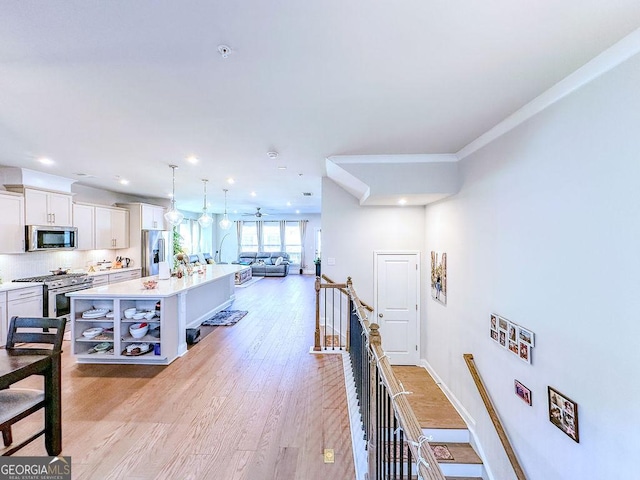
(257, 214)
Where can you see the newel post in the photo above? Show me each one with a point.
(316, 341)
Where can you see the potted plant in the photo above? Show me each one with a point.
(317, 262)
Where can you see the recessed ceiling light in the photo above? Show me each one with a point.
(124, 181)
(170, 195)
(402, 201)
(235, 211)
(282, 167)
(192, 159)
(297, 211)
(288, 204)
(230, 181)
(45, 161)
(253, 194)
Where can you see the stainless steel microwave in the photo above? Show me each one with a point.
(46, 237)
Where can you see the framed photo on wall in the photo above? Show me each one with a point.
(523, 392)
(563, 413)
(439, 277)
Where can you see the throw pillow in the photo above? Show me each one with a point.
(279, 260)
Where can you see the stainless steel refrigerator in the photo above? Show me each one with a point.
(156, 248)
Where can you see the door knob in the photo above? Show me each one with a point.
(380, 315)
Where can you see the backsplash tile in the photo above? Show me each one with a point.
(40, 263)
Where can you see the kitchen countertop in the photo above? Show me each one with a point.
(6, 286)
(112, 270)
(165, 288)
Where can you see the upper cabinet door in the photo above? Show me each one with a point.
(120, 228)
(61, 208)
(84, 221)
(36, 208)
(152, 217)
(11, 223)
(47, 208)
(112, 228)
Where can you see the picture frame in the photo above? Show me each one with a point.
(503, 323)
(494, 322)
(503, 338)
(526, 336)
(439, 277)
(524, 352)
(563, 413)
(523, 392)
(494, 335)
(512, 332)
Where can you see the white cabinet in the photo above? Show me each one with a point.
(112, 228)
(4, 322)
(47, 208)
(113, 341)
(11, 223)
(152, 217)
(84, 221)
(24, 302)
(99, 280)
(124, 276)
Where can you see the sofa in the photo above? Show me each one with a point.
(266, 264)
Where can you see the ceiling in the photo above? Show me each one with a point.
(119, 89)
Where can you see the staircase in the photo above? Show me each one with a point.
(442, 424)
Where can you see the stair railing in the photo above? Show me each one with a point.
(332, 316)
(396, 446)
(495, 419)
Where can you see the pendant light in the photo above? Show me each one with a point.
(173, 216)
(205, 219)
(225, 223)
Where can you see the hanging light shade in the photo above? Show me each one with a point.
(205, 219)
(225, 223)
(173, 216)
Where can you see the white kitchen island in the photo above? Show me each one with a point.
(179, 303)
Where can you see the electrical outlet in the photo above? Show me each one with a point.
(329, 455)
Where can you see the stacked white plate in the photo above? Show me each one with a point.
(92, 332)
(95, 313)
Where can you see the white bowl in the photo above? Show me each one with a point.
(138, 316)
(137, 331)
(149, 315)
(129, 312)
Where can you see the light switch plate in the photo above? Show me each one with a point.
(331, 261)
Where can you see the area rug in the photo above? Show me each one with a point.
(441, 452)
(225, 318)
(248, 283)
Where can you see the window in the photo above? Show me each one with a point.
(292, 242)
(195, 239)
(249, 241)
(271, 237)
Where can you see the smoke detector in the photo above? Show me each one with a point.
(272, 155)
(224, 51)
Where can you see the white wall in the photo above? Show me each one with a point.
(351, 233)
(546, 232)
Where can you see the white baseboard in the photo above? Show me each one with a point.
(468, 419)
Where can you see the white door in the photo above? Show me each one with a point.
(397, 306)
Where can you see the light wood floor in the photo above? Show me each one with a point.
(429, 403)
(247, 402)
